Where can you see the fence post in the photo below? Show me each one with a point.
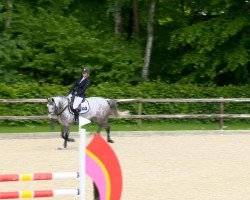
(221, 112)
(82, 156)
(139, 112)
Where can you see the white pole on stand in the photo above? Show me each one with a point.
(82, 157)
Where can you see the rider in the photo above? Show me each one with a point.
(78, 91)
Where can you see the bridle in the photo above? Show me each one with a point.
(56, 112)
(59, 113)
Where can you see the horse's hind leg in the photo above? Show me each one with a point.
(99, 129)
(96, 193)
(108, 134)
(107, 128)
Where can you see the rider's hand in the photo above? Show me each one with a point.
(69, 96)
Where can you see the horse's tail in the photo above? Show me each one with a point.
(115, 111)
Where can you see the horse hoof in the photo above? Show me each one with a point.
(71, 140)
(110, 141)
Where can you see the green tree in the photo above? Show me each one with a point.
(192, 41)
(49, 44)
(214, 45)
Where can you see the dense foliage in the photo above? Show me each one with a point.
(143, 90)
(204, 42)
(200, 49)
(215, 48)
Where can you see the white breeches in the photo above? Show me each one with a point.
(77, 102)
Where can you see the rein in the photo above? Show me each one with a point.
(59, 113)
(62, 110)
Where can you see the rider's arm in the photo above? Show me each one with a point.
(81, 91)
(72, 89)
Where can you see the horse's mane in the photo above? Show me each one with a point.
(63, 96)
(60, 96)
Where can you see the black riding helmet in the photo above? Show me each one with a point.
(86, 70)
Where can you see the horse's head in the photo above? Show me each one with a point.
(56, 106)
(51, 104)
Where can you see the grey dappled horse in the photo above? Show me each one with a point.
(99, 111)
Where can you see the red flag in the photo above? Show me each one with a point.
(103, 167)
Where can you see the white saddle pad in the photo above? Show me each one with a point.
(84, 107)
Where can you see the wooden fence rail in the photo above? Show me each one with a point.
(140, 102)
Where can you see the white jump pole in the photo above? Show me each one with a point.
(82, 157)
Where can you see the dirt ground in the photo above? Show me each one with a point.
(156, 166)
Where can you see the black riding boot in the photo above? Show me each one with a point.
(76, 116)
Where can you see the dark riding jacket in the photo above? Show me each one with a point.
(80, 87)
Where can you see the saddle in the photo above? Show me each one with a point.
(82, 108)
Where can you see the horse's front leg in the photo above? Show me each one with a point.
(64, 135)
(70, 139)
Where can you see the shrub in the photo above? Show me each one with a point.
(143, 90)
